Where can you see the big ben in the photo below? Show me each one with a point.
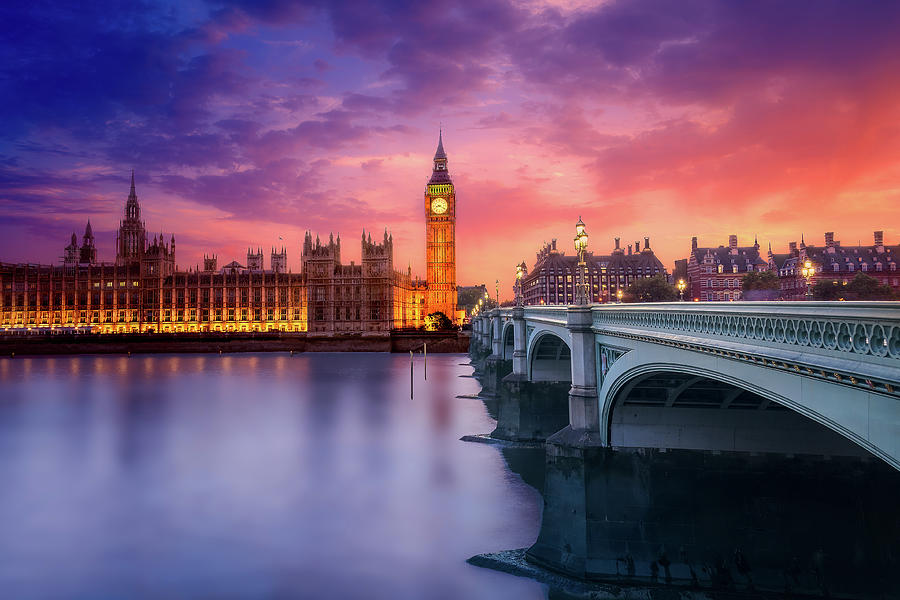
(440, 237)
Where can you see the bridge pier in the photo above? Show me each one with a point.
(584, 409)
(719, 520)
(528, 411)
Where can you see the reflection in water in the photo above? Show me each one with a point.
(238, 476)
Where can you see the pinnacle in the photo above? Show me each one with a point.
(440, 149)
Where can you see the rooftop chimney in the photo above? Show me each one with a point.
(637, 246)
(617, 244)
(879, 241)
(629, 249)
(646, 242)
(829, 239)
(732, 244)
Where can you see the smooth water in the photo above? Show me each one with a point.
(252, 476)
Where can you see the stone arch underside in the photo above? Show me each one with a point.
(508, 341)
(683, 407)
(549, 358)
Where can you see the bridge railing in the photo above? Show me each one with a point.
(860, 329)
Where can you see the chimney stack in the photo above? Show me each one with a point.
(879, 241)
(617, 244)
(646, 242)
(637, 246)
(732, 241)
(629, 249)
(829, 239)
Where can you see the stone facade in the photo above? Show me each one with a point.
(553, 279)
(834, 262)
(716, 273)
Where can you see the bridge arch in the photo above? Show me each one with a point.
(731, 412)
(507, 341)
(549, 357)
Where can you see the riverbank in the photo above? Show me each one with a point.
(154, 343)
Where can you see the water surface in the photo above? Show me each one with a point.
(252, 476)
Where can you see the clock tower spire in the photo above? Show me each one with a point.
(440, 236)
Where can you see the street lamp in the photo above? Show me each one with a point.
(520, 271)
(497, 289)
(582, 295)
(618, 296)
(681, 286)
(808, 271)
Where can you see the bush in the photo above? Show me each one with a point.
(650, 289)
(760, 280)
(862, 287)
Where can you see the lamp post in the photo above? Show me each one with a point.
(681, 286)
(582, 295)
(618, 296)
(520, 271)
(808, 271)
(497, 290)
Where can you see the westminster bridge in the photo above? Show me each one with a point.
(661, 419)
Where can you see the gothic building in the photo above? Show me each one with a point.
(554, 276)
(440, 236)
(715, 273)
(835, 262)
(143, 291)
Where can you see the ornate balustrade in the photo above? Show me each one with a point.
(865, 329)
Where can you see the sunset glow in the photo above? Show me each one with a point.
(249, 123)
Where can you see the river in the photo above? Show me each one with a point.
(253, 476)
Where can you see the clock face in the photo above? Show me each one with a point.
(438, 206)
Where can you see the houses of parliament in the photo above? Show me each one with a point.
(143, 291)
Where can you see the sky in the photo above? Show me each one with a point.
(248, 123)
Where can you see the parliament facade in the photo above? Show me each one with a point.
(143, 291)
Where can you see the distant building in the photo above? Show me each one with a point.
(715, 273)
(553, 278)
(834, 262)
(469, 295)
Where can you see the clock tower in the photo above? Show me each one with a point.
(440, 237)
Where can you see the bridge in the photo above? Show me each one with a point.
(743, 380)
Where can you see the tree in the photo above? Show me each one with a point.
(438, 321)
(760, 280)
(650, 289)
(861, 287)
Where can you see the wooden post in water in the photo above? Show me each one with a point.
(425, 352)
(410, 374)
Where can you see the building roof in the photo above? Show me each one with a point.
(743, 258)
(846, 259)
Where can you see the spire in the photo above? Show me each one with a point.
(88, 232)
(440, 149)
(132, 193)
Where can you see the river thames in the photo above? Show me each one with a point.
(253, 476)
